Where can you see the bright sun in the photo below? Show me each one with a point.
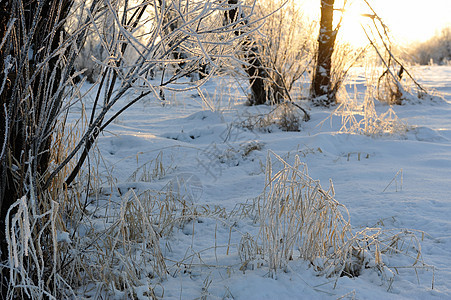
(407, 20)
(352, 19)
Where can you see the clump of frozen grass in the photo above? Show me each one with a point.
(371, 248)
(116, 255)
(298, 217)
(120, 251)
(121, 255)
(233, 156)
(364, 119)
(168, 209)
(287, 117)
(60, 247)
(250, 253)
(151, 170)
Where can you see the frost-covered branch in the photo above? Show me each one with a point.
(148, 37)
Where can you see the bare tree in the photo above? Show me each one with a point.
(322, 92)
(199, 34)
(252, 62)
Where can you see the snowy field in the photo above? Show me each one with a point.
(202, 152)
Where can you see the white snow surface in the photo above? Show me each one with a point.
(202, 147)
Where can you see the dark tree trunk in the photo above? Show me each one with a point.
(28, 106)
(322, 92)
(6, 199)
(171, 23)
(257, 74)
(253, 65)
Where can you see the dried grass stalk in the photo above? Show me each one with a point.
(298, 217)
(364, 119)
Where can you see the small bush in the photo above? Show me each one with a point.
(284, 116)
(286, 46)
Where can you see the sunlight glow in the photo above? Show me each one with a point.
(352, 18)
(408, 20)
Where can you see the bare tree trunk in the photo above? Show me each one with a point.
(253, 66)
(322, 92)
(30, 98)
(171, 24)
(6, 199)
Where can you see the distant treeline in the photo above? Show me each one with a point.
(436, 50)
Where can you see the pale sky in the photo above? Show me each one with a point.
(408, 20)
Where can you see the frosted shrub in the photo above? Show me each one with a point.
(391, 81)
(284, 116)
(286, 46)
(87, 61)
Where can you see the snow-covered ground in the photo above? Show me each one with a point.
(398, 181)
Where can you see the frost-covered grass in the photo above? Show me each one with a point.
(179, 209)
(188, 199)
(196, 195)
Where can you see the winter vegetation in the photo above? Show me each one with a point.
(437, 50)
(180, 149)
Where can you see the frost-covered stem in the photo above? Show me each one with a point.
(387, 48)
(375, 17)
(124, 33)
(5, 138)
(398, 84)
